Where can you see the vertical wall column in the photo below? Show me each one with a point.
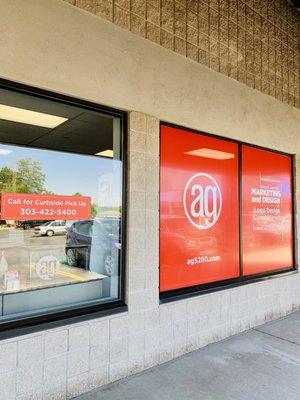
(142, 294)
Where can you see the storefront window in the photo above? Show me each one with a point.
(61, 206)
(267, 211)
(226, 212)
(199, 220)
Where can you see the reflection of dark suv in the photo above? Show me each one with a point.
(94, 245)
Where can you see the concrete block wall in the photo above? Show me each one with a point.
(65, 362)
(52, 45)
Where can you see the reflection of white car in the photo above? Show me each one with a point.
(51, 228)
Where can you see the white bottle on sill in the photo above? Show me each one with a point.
(3, 264)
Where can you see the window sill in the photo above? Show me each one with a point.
(33, 327)
(186, 293)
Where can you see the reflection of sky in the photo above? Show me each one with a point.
(67, 173)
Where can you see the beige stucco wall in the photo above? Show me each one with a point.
(52, 45)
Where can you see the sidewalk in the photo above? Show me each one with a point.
(261, 364)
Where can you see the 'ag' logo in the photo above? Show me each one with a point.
(202, 200)
(47, 268)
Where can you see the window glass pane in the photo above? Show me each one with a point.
(266, 211)
(61, 206)
(199, 212)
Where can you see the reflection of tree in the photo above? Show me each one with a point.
(7, 179)
(94, 207)
(27, 178)
(31, 174)
(94, 210)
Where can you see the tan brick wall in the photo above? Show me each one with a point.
(253, 41)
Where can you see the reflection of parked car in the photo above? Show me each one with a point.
(184, 241)
(51, 228)
(31, 224)
(94, 245)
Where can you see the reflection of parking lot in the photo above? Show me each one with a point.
(92, 245)
(37, 262)
(23, 251)
(7, 236)
(12, 242)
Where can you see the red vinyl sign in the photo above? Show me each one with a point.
(21, 206)
(267, 211)
(199, 210)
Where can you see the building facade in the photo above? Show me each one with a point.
(254, 42)
(73, 51)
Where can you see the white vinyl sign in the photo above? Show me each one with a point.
(47, 268)
(202, 201)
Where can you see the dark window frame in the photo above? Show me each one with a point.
(196, 290)
(25, 325)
